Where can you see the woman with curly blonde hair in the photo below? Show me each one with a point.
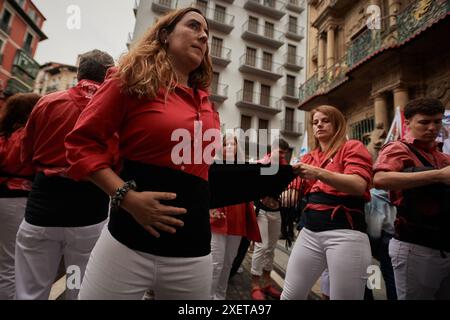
(158, 236)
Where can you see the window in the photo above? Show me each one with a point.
(292, 54)
(246, 122)
(269, 30)
(28, 43)
(292, 27)
(290, 86)
(5, 21)
(202, 5)
(219, 14)
(269, 3)
(216, 47)
(167, 3)
(1, 52)
(265, 95)
(253, 24)
(248, 90)
(21, 3)
(263, 125)
(359, 129)
(289, 120)
(215, 83)
(250, 57)
(267, 61)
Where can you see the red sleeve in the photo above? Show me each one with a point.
(27, 148)
(89, 146)
(392, 157)
(357, 160)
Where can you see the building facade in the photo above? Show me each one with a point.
(54, 76)
(20, 32)
(257, 49)
(368, 57)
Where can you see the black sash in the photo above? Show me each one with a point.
(318, 221)
(191, 240)
(63, 202)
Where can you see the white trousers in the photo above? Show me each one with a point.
(347, 254)
(269, 224)
(224, 249)
(421, 273)
(38, 255)
(115, 272)
(12, 211)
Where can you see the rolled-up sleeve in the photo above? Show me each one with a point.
(392, 157)
(92, 144)
(357, 160)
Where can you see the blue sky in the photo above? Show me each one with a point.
(104, 25)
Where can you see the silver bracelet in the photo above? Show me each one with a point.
(117, 198)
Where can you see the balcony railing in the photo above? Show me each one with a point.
(270, 8)
(219, 92)
(294, 31)
(220, 56)
(419, 15)
(261, 34)
(332, 77)
(256, 101)
(293, 62)
(260, 67)
(217, 20)
(164, 6)
(295, 5)
(291, 128)
(26, 64)
(415, 18)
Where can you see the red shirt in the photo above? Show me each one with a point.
(397, 157)
(352, 158)
(52, 119)
(240, 220)
(11, 165)
(145, 127)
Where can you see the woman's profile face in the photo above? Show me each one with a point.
(188, 42)
(322, 127)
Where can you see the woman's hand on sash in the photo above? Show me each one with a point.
(147, 210)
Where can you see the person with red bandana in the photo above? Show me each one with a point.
(63, 217)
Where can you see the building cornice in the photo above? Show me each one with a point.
(27, 19)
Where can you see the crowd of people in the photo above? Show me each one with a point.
(88, 174)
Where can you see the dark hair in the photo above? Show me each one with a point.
(16, 111)
(426, 106)
(93, 65)
(282, 144)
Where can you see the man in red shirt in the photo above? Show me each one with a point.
(63, 217)
(420, 251)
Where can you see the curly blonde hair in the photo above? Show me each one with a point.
(146, 67)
